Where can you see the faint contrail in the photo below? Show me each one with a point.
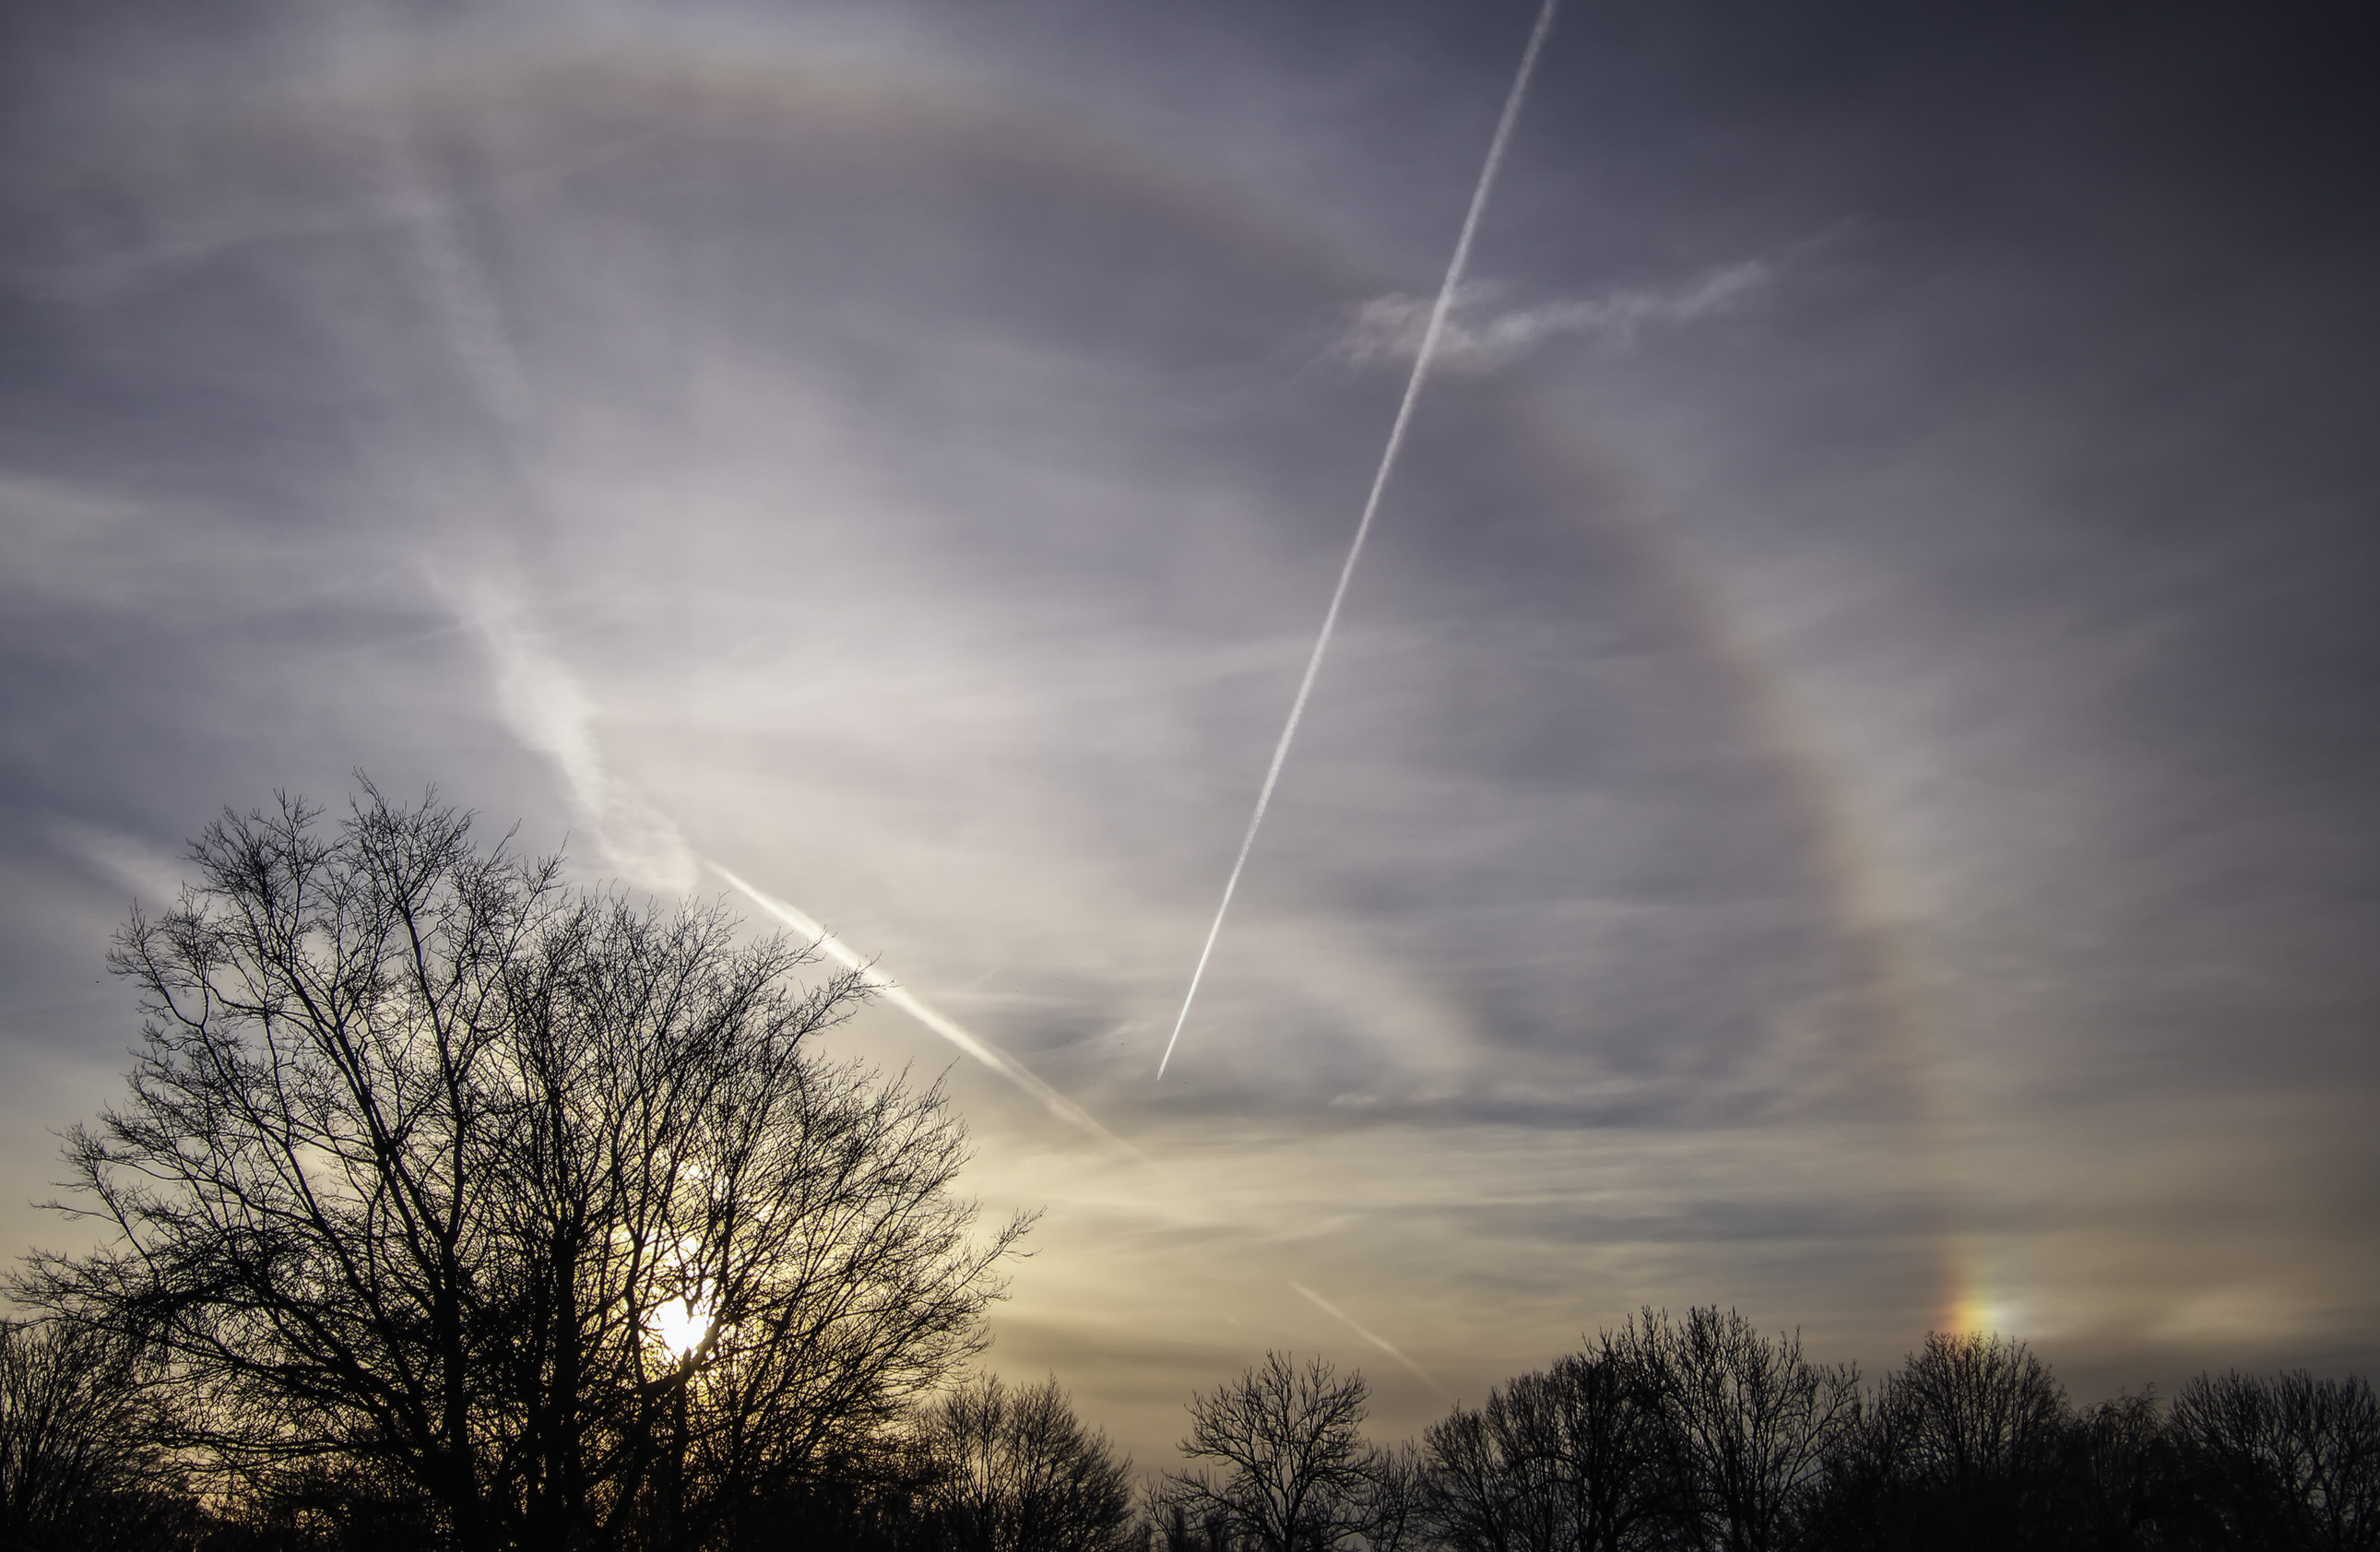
(1335, 1313)
(948, 1028)
(1371, 503)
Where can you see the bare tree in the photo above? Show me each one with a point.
(535, 1199)
(1481, 1498)
(2289, 1461)
(2120, 1472)
(1751, 1422)
(1974, 1428)
(1573, 1458)
(1170, 1528)
(80, 1463)
(1292, 1470)
(1396, 1515)
(1008, 1470)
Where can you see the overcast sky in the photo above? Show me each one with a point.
(1846, 787)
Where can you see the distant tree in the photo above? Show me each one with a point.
(82, 1462)
(1482, 1495)
(534, 1201)
(1013, 1470)
(1973, 1433)
(1172, 1528)
(321, 1505)
(1291, 1471)
(1396, 1515)
(1750, 1422)
(2285, 1463)
(1573, 1459)
(2122, 1484)
(865, 1493)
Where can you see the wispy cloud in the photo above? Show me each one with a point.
(550, 710)
(1391, 328)
(154, 877)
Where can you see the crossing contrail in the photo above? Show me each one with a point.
(918, 1008)
(1371, 503)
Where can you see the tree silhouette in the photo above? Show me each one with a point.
(1292, 1470)
(537, 1200)
(2289, 1461)
(1010, 1470)
(80, 1463)
(1972, 1432)
(1573, 1459)
(1751, 1422)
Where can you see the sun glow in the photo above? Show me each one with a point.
(682, 1325)
(1972, 1315)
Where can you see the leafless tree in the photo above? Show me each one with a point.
(1752, 1423)
(1972, 1431)
(534, 1198)
(2287, 1461)
(1011, 1469)
(1396, 1516)
(1170, 1528)
(1291, 1471)
(1572, 1459)
(1482, 1498)
(2120, 1470)
(80, 1463)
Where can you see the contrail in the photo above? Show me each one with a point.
(1371, 503)
(1335, 1313)
(948, 1028)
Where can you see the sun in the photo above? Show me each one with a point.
(682, 1325)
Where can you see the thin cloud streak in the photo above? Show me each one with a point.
(549, 710)
(1446, 292)
(918, 1008)
(1392, 328)
(1335, 1313)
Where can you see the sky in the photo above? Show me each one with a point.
(1845, 786)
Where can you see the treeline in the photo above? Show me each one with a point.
(1700, 1434)
(1697, 1433)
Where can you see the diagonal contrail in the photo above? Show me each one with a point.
(1335, 1313)
(1371, 503)
(917, 1008)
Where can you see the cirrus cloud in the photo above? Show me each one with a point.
(1390, 328)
